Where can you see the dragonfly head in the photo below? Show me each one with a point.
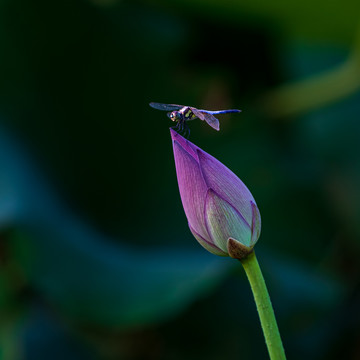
(174, 115)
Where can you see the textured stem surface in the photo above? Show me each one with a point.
(264, 307)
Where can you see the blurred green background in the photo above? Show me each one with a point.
(96, 259)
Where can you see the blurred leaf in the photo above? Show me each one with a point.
(92, 281)
(85, 274)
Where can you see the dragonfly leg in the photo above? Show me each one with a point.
(176, 127)
(179, 127)
(182, 126)
(186, 130)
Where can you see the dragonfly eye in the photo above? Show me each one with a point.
(172, 116)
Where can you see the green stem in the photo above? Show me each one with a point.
(264, 307)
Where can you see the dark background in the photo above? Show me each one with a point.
(96, 258)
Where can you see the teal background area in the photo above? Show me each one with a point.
(96, 258)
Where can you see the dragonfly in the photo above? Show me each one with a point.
(181, 114)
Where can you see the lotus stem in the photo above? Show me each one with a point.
(264, 307)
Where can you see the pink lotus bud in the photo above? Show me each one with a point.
(221, 212)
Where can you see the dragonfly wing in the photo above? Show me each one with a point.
(209, 118)
(212, 121)
(166, 107)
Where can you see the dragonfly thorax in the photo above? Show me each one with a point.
(186, 113)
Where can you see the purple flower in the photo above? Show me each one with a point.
(221, 212)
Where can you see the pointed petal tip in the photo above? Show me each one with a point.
(187, 145)
(173, 133)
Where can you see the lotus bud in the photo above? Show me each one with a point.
(221, 212)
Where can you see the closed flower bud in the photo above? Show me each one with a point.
(221, 212)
